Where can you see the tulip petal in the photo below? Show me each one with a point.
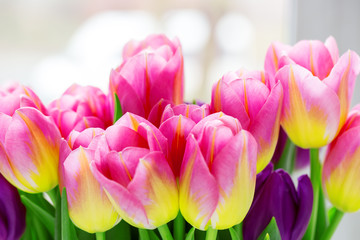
(265, 127)
(176, 130)
(314, 56)
(311, 110)
(89, 207)
(64, 152)
(125, 203)
(331, 45)
(234, 169)
(340, 176)
(199, 193)
(273, 54)
(5, 121)
(156, 113)
(305, 203)
(342, 81)
(32, 143)
(155, 186)
(225, 99)
(115, 137)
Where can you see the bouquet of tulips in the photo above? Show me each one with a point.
(140, 163)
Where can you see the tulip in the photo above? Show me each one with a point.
(134, 172)
(15, 96)
(340, 173)
(89, 207)
(84, 138)
(276, 196)
(217, 178)
(12, 212)
(250, 97)
(177, 122)
(318, 87)
(152, 69)
(80, 108)
(29, 150)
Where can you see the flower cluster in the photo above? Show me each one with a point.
(141, 157)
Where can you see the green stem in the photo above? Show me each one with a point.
(53, 195)
(238, 229)
(287, 160)
(144, 234)
(165, 232)
(179, 227)
(211, 234)
(329, 231)
(315, 175)
(100, 235)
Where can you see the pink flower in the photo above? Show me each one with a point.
(256, 103)
(152, 69)
(134, 172)
(15, 96)
(318, 87)
(340, 173)
(29, 150)
(80, 108)
(217, 178)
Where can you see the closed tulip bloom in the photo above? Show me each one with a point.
(89, 207)
(12, 212)
(340, 173)
(29, 150)
(80, 107)
(15, 96)
(152, 69)
(276, 196)
(134, 172)
(177, 122)
(256, 103)
(217, 178)
(318, 87)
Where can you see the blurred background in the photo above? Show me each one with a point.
(50, 44)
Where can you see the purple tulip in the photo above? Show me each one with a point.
(12, 212)
(276, 196)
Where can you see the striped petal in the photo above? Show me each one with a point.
(89, 207)
(311, 110)
(199, 193)
(234, 169)
(265, 127)
(342, 81)
(340, 174)
(331, 45)
(32, 144)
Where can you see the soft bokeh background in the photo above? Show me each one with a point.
(50, 44)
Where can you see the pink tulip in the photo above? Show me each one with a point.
(256, 103)
(340, 173)
(217, 178)
(80, 108)
(15, 96)
(135, 174)
(318, 87)
(152, 69)
(29, 150)
(176, 124)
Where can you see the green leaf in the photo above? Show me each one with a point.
(267, 237)
(153, 235)
(58, 216)
(117, 111)
(67, 227)
(190, 234)
(234, 235)
(272, 230)
(331, 213)
(41, 214)
(121, 229)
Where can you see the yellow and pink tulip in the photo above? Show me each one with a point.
(29, 150)
(217, 178)
(340, 173)
(250, 97)
(318, 87)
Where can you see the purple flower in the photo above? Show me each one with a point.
(276, 196)
(12, 212)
